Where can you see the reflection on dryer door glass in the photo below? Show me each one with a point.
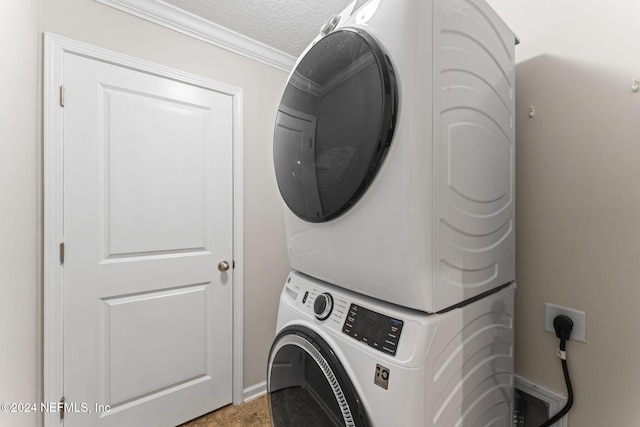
(295, 161)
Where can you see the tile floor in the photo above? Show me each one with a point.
(254, 413)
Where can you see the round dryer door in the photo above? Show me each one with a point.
(307, 385)
(334, 124)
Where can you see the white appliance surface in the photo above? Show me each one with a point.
(453, 368)
(436, 225)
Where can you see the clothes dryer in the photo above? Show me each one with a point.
(394, 152)
(343, 359)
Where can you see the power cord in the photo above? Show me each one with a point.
(563, 326)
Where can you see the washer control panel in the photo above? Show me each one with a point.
(376, 330)
(344, 313)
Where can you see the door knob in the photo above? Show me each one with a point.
(223, 266)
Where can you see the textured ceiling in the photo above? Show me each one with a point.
(286, 25)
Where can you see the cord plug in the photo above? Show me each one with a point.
(563, 326)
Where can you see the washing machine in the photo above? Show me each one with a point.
(344, 359)
(394, 152)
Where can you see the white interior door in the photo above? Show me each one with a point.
(147, 219)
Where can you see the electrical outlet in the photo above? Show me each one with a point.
(579, 332)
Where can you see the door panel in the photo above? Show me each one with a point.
(165, 190)
(136, 359)
(147, 218)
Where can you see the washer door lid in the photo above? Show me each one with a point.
(334, 124)
(308, 386)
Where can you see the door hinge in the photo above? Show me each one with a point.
(61, 407)
(61, 253)
(62, 96)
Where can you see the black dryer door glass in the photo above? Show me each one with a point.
(334, 125)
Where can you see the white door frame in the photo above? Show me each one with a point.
(54, 49)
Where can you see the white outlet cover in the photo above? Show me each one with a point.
(579, 332)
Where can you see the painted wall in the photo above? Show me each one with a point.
(578, 198)
(19, 201)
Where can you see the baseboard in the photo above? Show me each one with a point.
(254, 391)
(555, 401)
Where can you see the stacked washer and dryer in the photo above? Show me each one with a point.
(394, 152)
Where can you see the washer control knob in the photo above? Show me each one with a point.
(323, 305)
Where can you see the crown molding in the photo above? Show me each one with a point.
(187, 23)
